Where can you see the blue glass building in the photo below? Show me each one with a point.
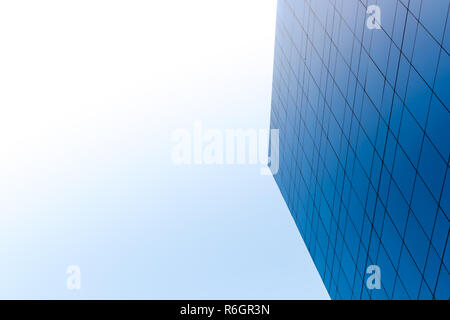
(364, 127)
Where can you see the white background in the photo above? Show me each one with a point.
(90, 92)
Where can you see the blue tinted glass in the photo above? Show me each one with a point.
(364, 122)
(433, 17)
(426, 54)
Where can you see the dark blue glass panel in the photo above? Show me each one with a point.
(364, 123)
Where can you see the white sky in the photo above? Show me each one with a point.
(90, 92)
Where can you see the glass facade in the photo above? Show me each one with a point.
(364, 125)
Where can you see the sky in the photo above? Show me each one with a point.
(91, 93)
